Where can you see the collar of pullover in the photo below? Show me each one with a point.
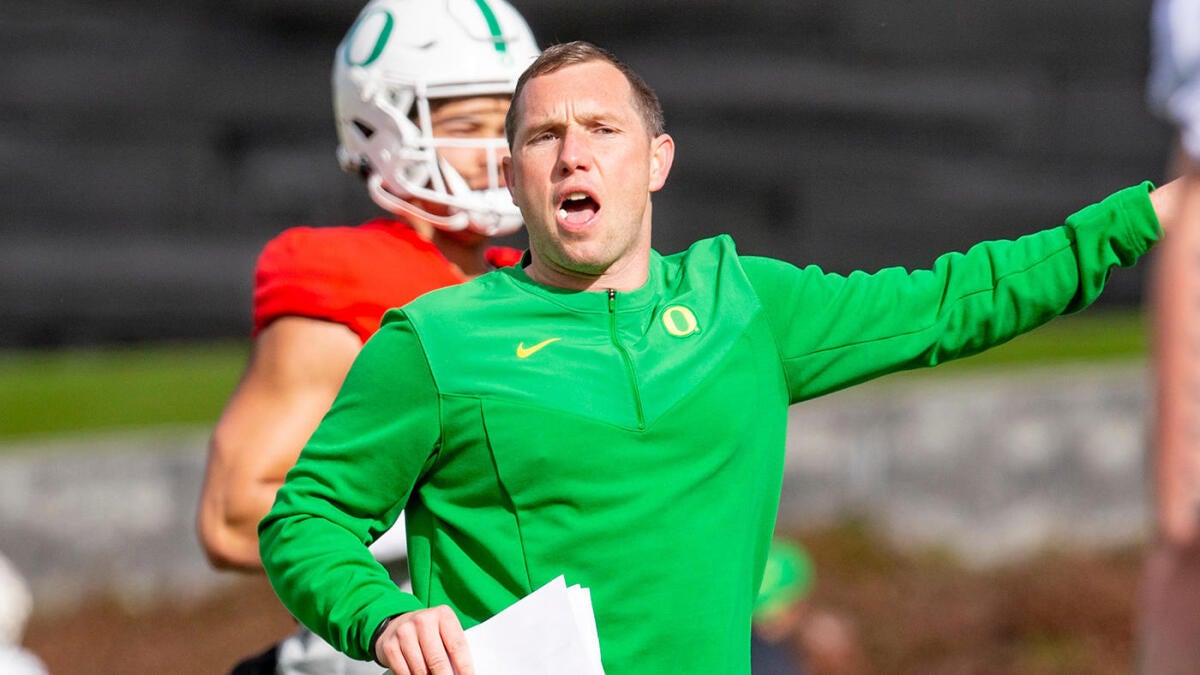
(591, 301)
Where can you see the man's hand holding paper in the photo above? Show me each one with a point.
(551, 631)
(425, 642)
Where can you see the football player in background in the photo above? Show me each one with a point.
(1169, 620)
(420, 94)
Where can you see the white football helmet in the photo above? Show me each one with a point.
(397, 56)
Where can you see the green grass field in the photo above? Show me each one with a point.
(98, 389)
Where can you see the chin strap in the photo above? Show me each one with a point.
(489, 222)
(453, 222)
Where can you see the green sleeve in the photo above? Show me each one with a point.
(349, 485)
(834, 331)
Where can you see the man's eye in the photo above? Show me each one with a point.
(458, 130)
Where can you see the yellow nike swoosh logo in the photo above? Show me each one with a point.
(524, 352)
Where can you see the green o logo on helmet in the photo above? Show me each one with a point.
(385, 32)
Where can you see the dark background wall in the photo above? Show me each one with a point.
(147, 150)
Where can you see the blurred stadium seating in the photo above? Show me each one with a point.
(147, 150)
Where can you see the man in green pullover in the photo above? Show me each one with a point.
(617, 416)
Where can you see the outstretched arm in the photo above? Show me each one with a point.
(293, 375)
(861, 326)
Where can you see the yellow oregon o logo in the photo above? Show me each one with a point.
(679, 321)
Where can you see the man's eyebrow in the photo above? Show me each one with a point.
(545, 125)
(588, 119)
(601, 117)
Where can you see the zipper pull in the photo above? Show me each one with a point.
(612, 299)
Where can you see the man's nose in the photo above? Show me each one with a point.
(573, 153)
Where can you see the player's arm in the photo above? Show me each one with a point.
(349, 485)
(1176, 297)
(294, 373)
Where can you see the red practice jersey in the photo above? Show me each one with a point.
(351, 275)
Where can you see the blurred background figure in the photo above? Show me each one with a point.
(790, 635)
(420, 94)
(787, 580)
(1169, 629)
(16, 603)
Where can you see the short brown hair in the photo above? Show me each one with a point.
(560, 56)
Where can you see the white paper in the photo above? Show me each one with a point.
(551, 631)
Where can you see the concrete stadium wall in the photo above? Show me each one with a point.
(988, 467)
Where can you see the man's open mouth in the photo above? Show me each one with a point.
(578, 208)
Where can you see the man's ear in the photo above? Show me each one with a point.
(506, 171)
(662, 155)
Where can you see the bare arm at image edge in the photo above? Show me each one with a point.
(1176, 316)
(1173, 92)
